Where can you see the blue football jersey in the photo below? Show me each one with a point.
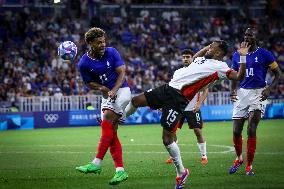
(256, 68)
(101, 71)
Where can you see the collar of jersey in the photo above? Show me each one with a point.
(253, 51)
(91, 57)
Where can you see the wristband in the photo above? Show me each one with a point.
(243, 59)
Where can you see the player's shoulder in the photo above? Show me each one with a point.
(264, 51)
(236, 54)
(111, 50)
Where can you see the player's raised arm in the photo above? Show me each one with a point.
(201, 52)
(243, 50)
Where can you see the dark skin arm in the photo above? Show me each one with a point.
(99, 87)
(201, 52)
(121, 75)
(106, 91)
(266, 92)
(233, 94)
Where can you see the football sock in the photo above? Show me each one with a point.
(174, 152)
(116, 151)
(117, 169)
(97, 161)
(106, 139)
(129, 109)
(251, 146)
(202, 149)
(238, 144)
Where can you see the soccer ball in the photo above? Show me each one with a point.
(67, 50)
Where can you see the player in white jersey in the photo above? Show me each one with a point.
(192, 113)
(172, 98)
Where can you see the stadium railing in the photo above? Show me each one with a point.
(79, 102)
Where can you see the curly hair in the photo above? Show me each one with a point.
(94, 33)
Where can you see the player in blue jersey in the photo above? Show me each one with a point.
(103, 69)
(249, 99)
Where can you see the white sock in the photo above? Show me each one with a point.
(174, 152)
(240, 157)
(129, 109)
(202, 149)
(97, 162)
(119, 169)
(176, 143)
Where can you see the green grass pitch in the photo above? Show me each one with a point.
(46, 158)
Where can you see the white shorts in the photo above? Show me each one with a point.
(248, 100)
(123, 97)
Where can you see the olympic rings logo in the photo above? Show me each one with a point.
(51, 118)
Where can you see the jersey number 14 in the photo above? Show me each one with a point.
(249, 72)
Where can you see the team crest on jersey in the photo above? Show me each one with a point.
(108, 64)
(256, 59)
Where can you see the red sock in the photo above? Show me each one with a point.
(251, 146)
(106, 139)
(238, 144)
(116, 151)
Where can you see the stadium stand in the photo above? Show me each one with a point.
(149, 35)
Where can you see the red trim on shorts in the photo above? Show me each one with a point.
(190, 90)
(178, 125)
(108, 108)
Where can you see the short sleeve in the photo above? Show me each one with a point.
(269, 58)
(235, 60)
(117, 58)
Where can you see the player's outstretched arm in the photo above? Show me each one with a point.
(240, 75)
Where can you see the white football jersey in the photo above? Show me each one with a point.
(200, 73)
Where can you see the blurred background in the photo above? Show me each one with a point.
(149, 35)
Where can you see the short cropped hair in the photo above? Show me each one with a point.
(223, 45)
(187, 51)
(94, 33)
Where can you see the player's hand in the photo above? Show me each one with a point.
(105, 91)
(265, 94)
(111, 93)
(233, 96)
(244, 48)
(196, 108)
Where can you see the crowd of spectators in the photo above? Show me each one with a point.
(150, 44)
